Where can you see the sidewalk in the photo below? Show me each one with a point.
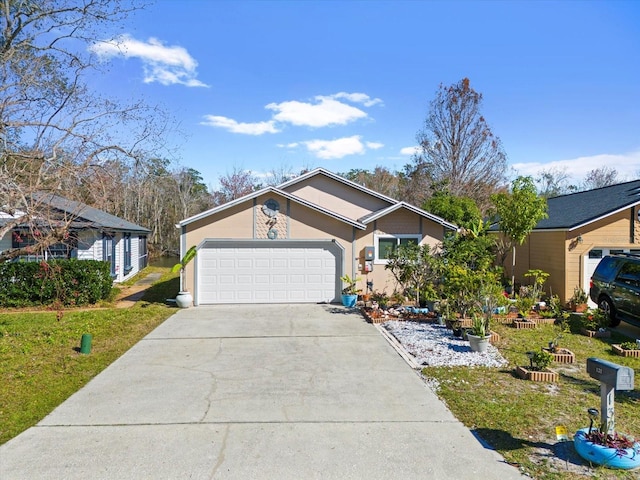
(130, 295)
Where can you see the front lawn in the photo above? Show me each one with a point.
(519, 417)
(40, 365)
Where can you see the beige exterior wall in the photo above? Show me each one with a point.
(562, 255)
(399, 222)
(544, 251)
(336, 196)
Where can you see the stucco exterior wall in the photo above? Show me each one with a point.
(336, 196)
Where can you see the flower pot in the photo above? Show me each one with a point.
(596, 333)
(579, 307)
(561, 355)
(477, 343)
(625, 353)
(349, 300)
(519, 324)
(626, 458)
(184, 300)
(545, 375)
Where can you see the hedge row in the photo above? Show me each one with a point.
(68, 282)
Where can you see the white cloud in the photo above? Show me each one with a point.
(627, 165)
(374, 145)
(327, 111)
(287, 145)
(362, 98)
(409, 150)
(164, 64)
(231, 125)
(331, 149)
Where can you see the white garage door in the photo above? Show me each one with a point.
(270, 271)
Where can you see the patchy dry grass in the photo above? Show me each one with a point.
(519, 417)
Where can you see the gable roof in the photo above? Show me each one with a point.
(385, 211)
(568, 212)
(360, 223)
(88, 217)
(275, 190)
(338, 178)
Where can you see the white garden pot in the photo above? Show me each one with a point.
(478, 344)
(184, 300)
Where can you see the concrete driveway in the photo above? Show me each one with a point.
(254, 392)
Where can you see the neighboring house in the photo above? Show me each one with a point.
(93, 235)
(292, 243)
(581, 229)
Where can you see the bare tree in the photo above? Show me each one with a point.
(380, 179)
(55, 134)
(458, 148)
(600, 177)
(234, 185)
(554, 181)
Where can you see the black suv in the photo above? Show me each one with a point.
(615, 287)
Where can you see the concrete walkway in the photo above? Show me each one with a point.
(254, 392)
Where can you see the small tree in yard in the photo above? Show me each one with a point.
(413, 266)
(518, 214)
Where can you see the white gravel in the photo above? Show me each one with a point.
(434, 345)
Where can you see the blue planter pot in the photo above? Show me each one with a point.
(626, 459)
(349, 300)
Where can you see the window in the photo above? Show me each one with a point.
(24, 238)
(142, 252)
(127, 253)
(386, 244)
(595, 253)
(109, 252)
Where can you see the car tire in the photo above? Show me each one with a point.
(607, 307)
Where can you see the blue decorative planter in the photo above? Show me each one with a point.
(626, 459)
(349, 300)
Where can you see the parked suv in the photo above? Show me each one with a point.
(615, 287)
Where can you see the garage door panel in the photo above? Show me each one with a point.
(288, 272)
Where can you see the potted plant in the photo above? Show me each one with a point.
(538, 370)
(524, 303)
(349, 292)
(627, 349)
(578, 300)
(184, 299)
(595, 323)
(479, 335)
(559, 354)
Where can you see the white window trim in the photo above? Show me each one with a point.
(376, 237)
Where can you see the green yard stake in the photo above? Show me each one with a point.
(85, 343)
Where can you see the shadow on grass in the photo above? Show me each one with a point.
(500, 440)
(159, 292)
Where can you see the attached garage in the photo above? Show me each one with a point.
(268, 271)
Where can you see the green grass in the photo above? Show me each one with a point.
(40, 365)
(519, 417)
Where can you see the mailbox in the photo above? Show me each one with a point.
(618, 376)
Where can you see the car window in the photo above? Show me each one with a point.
(607, 268)
(630, 274)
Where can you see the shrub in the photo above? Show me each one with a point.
(64, 282)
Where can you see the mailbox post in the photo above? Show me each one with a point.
(612, 377)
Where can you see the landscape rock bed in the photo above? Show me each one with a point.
(434, 346)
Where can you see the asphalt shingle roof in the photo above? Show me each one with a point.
(575, 209)
(93, 217)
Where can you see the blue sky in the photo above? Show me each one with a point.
(262, 85)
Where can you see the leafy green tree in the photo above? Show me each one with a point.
(519, 211)
(461, 211)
